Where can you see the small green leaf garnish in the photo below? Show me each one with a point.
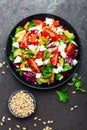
(63, 95)
(18, 29)
(77, 82)
(31, 24)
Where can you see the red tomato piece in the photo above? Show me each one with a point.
(56, 51)
(33, 38)
(40, 54)
(33, 65)
(54, 60)
(70, 49)
(62, 37)
(38, 22)
(56, 23)
(48, 32)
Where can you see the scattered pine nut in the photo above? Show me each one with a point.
(1, 123)
(73, 92)
(3, 72)
(47, 128)
(18, 126)
(8, 119)
(3, 62)
(10, 128)
(24, 128)
(75, 106)
(0, 65)
(71, 108)
(35, 118)
(4, 48)
(39, 119)
(7, 66)
(35, 125)
(44, 122)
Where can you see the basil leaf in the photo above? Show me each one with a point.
(31, 24)
(47, 71)
(63, 95)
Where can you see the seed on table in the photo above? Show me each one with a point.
(10, 128)
(8, 119)
(7, 66)
(39, 119)
(0, 65)
(75, 106)
(3, 62)
(3, 119)
(73, 92)
(24, 128)
(35, 125)
(44, 122)
(71, 108)
(18, 126)
(1, 123)
(4, 48)
(3, 72)
(35, 118)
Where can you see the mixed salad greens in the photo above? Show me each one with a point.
(43, 51)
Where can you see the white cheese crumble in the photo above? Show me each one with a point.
(38, 28)
(61, 77)
(74, 62)
(32, 47)
(49, 21)
(15, 44)
(41, 48)
(63, 54)
(59, 30)
(38, 75)
(46, 61)
(17, 59)
(39, 62)
(26, 69)
(62, 46)
(58, 70)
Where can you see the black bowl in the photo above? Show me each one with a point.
(9, 100)
(9, 49)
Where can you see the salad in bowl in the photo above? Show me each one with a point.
(43, 51)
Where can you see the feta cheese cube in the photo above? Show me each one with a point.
(58, 70)
(49, 21)
(39, 62)
(32, 47)
(59, 30)
(17, 59)
(74, 62)
(63, 54)
(15, 44)
(38, 75)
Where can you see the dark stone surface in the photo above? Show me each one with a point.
(48, 107)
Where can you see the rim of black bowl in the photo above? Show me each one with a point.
(25, 91)
(42, 16)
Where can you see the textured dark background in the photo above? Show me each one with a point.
(48, 107)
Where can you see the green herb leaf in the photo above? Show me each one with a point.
(11, 57)
(47, 70)
(18, 29)
(58, 76)
(31, 24)
(19, 71)
(67, 67)
(77, 82)
(63, 95)
(14, 39)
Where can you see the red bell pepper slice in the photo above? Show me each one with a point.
(33, 65)
(70, 49)
(54, 60)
